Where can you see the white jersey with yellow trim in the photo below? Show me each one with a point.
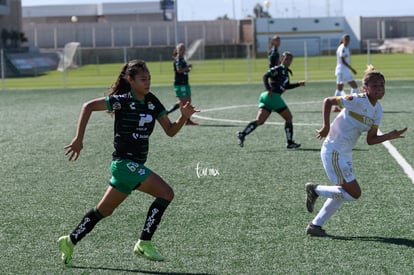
(357, 115)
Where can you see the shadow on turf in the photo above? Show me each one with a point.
(397, 241)
(397, 112)
(137, 271)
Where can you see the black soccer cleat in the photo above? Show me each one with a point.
(315, 231)
(241, 137)
(311, 196)
(293, 145)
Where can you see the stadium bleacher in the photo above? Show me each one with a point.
(28, 62)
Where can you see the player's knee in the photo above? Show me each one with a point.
(259, 122)
(356, 195)
(168, 194)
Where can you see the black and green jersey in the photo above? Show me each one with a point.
(134, 123)
(273, 56)
(279, 79)
(180, 78)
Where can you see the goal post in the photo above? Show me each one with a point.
(67, 58)
(196, 51)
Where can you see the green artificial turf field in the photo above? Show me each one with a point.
(236, 210)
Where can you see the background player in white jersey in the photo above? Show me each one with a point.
(343, 68)
(360, 113)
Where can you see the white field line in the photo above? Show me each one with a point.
(408, 169)
(197, 115)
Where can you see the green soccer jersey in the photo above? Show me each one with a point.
(274, 57)
(134, 123)
(180, 78)
(279, 79)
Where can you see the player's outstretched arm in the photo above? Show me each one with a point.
(73, 149)
(374, 138)
(172, 128)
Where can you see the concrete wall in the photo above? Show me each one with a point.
(310, 36)
(130, 34)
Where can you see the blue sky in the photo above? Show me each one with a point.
(211, 9)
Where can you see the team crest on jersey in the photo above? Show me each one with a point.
(116, 105)
(151, 106)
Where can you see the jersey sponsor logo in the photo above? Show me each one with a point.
(144, 118)
(139, 136)
(151, 106)
(116, 105)
(361, 118)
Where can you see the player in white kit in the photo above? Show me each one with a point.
(343, 69)
(360, 113)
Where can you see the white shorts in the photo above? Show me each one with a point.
(338, 166)
(344, 76)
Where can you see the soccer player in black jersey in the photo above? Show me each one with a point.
(135, 111)
(273, 53)
(271, 100)
(181, 84)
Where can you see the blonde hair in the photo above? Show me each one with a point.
(371, 73)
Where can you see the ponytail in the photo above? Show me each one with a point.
(121, 85)
(371, 72)
(132, 68)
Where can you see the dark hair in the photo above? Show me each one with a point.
(287, 53)
(132, 68)
(343, 38)
(274, 37)
(370, 73)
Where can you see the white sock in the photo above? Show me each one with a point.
(328, 209)
(333, 192)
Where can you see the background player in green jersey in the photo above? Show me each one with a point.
(273, 53)
(181, 84)
(271, 100)
(135, 110)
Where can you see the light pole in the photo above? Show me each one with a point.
(267, 5)
(176, 30)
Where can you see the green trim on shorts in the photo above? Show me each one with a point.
(127, 175)
(182, 90)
